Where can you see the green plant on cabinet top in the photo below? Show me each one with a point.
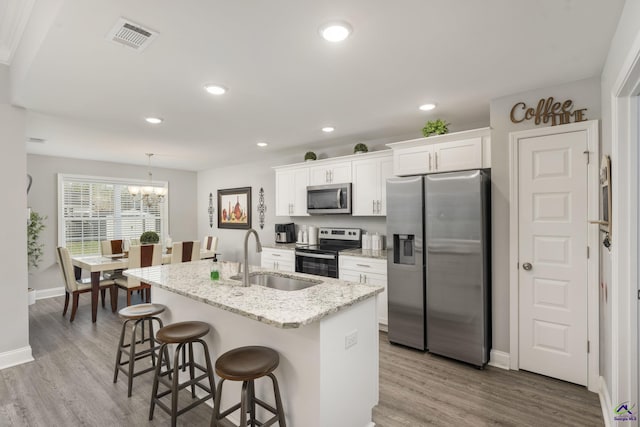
(435, 127)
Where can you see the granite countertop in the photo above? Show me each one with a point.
(366, 253)
(283, 309)
(290, 246)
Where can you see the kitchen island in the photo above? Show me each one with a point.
(326, 335)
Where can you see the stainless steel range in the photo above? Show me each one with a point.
(322, 259)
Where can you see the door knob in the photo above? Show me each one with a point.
(527, 266)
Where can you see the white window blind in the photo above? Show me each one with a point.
(91, 209)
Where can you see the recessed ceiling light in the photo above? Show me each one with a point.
(262, 144)
(215, 89)
(154, 120)
(427, 107)
(328, 129)
(335, 31)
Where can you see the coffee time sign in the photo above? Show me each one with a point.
(548, 110)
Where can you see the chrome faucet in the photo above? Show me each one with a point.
(245, 275)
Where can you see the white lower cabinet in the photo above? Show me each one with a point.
(367, 270)
(278, 259)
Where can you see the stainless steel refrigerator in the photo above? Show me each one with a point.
(438, 228)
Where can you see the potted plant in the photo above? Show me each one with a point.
(310, 155)
(34, 247)
(360, 148)
(149, 238)
(435, 127)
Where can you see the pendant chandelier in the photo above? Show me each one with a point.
(149, 194)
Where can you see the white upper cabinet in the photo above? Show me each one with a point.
(330, 173)
(369, 185)
(291, 191)
(443, 153)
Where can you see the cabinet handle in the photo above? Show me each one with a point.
(429, 161)
(379, 203)
(436, 161)
(275, 254)
(326, 176)
(373, 206)
(360, 279)
(363, 265)
(365, 278)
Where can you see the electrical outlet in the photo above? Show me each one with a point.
(351, 339)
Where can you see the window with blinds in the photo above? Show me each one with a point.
(92, 209)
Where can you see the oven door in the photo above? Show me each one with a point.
(316, 263)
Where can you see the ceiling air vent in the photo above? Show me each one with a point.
(132, 35)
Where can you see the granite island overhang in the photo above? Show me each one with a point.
(327, 336)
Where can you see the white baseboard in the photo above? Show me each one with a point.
(49, 293)
(605, 402)
(499, 359)
(15, 357)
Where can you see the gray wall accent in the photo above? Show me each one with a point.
(13, 251)
(43, 198)
(626, 35)
(585, 94)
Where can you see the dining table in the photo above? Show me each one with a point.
(95, 265)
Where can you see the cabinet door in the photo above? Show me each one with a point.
(383, 310)
(330, 173)
(300, 183)
(386, 171)
(458, 155)
(340, 173)
(366, 187)
(413, 161)
(284, 192)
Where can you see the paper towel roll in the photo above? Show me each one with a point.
(313, 235)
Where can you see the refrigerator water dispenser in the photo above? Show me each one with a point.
(404, 249)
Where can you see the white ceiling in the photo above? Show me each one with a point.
(88, 96)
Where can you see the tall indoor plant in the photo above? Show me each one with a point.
(35, 248)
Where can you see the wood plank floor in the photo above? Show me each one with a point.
(70, 384)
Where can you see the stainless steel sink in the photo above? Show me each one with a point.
(271, 280)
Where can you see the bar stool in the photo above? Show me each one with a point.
(138, 315)
(184, 334)
(248, 364)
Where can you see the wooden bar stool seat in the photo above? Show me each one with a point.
(248, 364)
(184, 334)
(137, 316)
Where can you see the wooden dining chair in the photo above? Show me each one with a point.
(210, 243)
(111, 247)
(140, 256)
(185, 252)
(73, 287)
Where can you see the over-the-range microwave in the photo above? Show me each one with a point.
(329, 199)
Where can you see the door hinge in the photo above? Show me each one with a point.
(518, 266)
(588, 346)
(587, 153)
(587, 251)
(638, 293)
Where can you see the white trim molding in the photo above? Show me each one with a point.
(605, 402)
(593, 241)
(49, 293)
(15, 357)
(499, 359)
(16, 16)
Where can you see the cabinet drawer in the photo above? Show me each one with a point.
(281, 255)
(363, 265)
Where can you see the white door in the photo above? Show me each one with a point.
(553, 255)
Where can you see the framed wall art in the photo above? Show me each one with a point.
(234, 208)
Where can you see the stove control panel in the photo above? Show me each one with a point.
(340, 233)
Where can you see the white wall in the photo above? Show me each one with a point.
(43, 198)
(14, 321)
(614, 372)
(585, 94)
